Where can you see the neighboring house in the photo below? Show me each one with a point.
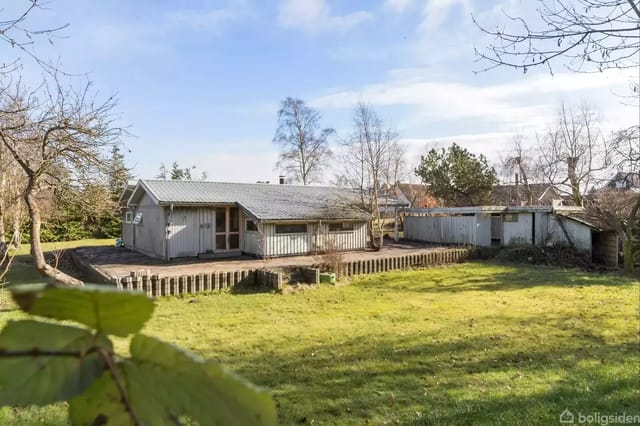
(171, 219)
(542, 194)
(417, 195)
(623, 181)
(513, 226)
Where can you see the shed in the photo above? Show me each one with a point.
(500, 226)
(171, 219)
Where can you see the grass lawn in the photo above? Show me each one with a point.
(22, 270)
(467, 344)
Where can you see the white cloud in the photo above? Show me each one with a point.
(398, 6)
(436, 12)
(514, 103)
(155, 33)
(315, 15)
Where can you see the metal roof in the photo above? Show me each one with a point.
(263, 201)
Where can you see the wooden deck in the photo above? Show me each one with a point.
(118, 262)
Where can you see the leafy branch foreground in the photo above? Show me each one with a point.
(158, 384)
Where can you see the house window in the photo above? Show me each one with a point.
(341, 227)
(251, 226)
(293, 228)
(511, 217)
(138, 219)
(128, 217)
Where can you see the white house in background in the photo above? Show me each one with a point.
(501, 226)
(170, 219)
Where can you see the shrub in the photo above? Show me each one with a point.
(331, 257)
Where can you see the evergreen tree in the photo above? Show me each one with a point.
(458, 177)
(119, 173)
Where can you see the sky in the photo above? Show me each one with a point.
(200, 82)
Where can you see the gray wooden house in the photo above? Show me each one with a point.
(169, 219)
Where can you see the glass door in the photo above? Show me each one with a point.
(221, 229)
(227, 228)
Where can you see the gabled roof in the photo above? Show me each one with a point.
(511, 195)
(626, 181)
(263, 201)
(418, 195)
(126, 193)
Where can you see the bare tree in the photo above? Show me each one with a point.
(304, 147)
(521, 163)
(16, 32)
(371, 162)
(57, 136)
(620, 209)
(590, 34)
(574, 154)
(12, 182)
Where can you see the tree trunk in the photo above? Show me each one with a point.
(16, 236)
(2, 214)
(627, 255)
(36, 247)
(627, 247)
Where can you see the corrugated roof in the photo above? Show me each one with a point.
(264, 201)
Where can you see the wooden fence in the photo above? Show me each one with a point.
(155, 285)
(394, 263)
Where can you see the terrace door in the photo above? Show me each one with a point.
(206, 230)
(227, 230)
(496, 229)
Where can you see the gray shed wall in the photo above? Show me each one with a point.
(518, 233)
(149, 235)
(579, 233)
(441, 229)
(483, 229)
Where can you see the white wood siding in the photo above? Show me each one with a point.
(441, 229)
(127, 231)
(518, 233)
(252, 241)
(483, 230)
(149, 235)
(312, 240)
(579, 233)
(345, 240)
(184, 232)
(206, 224)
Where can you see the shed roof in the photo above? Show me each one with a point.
(263, 201)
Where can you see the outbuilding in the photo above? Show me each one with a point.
(499, 226)
(170, 219)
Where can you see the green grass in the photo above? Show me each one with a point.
(467, 344)
(22, 270)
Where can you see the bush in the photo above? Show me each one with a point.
(556, 255)
(331, 257)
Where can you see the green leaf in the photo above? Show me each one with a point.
(164, 384)
(41, 379)
(101, 404)
(102, 308)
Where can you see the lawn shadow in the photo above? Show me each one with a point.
(460, 381)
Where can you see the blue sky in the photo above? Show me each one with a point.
(199, 82)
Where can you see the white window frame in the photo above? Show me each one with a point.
(128, 216)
